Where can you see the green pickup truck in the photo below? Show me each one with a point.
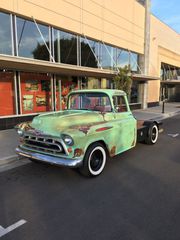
(97, 124)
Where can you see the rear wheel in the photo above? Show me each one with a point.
(153, 133)
(94, 160)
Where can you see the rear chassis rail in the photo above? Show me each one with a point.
(143, 128)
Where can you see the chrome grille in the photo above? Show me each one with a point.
(44, 144)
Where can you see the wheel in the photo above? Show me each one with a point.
(94, 160)
(153, 133)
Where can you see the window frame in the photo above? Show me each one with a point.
(122, 104)
(86, 93)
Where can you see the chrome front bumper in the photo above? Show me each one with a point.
(66, 162)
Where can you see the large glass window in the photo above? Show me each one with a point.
(108, 56)
(178, 73)
(30, 43)
(5, 34)
(134, 93)
(65, 47)
(7, 93)
(134, 62)
(89, 49)
(122, 58)
(169, 72)
(35, 92)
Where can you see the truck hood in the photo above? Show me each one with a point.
(65, 121)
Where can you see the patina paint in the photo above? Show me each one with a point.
(116, 130)
(55, 123)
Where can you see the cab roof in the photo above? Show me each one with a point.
(110, 92)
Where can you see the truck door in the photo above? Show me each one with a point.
(125, 124)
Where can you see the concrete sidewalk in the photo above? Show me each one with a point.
(9, 138)
(155, 113)
(8, 141)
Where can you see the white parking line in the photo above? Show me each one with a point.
(174, 135)
(4, 231)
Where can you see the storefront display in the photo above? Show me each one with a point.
(28, 102)
(7, 93)
(31, 85)
(35, 92)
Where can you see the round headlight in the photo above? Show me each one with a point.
(20, 132)
(68, 140)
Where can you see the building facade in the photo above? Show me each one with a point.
(48, 49)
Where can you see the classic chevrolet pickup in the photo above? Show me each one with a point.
(96, 124)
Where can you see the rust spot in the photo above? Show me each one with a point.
(98, 123)
(21, 140)
(24, 126)
(140, 124)
(84, 129)
(133, 143)
(70, 150)
(113, 151)
(78, 152)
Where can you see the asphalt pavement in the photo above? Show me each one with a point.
(135, 198)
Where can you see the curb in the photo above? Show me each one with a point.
(9, 159)
(12, 161)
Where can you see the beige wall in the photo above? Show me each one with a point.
(164, 47)
(118, 22)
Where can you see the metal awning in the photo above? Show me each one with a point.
(168, 82)
(144, 78)
(31, 65)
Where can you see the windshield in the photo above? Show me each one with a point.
(89, 101)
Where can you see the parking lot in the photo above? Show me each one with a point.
(136, 197)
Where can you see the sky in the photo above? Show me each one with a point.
(168, 11)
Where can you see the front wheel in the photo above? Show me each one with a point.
(153, 133)
(94, 160)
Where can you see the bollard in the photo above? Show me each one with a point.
(163, 106)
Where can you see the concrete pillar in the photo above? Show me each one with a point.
(90, 82)
(103, 83)
(145, 63)
(140, 92)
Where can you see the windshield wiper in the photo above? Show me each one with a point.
(87, 109)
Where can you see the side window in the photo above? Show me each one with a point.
(120, 104)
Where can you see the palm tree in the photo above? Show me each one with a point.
(123, 80)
